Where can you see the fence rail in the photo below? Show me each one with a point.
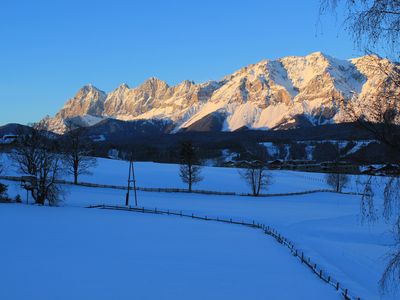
(177, 190)
(268, 230)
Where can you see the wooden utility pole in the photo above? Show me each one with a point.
(131, 179)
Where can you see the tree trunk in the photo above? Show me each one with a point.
(190, 177)
(338, 183)
(40, 199)
(76, 170)
(259, 182)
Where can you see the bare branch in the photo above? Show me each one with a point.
(370, 22)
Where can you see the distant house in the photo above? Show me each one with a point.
(296, 164)
(371, 170)
(389, 169)
(8, 138)
(339, 166)
(113, 153)
(275, 165)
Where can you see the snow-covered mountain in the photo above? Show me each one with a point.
(289, 92)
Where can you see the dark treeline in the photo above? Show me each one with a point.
(153, 145)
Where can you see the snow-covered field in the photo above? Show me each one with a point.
(215, 179)
(326, 226)
(115, 172)
(75, 253)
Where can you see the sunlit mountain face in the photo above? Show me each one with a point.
(291, 92)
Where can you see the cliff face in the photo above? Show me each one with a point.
(267, 95)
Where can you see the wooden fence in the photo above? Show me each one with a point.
(268, 230)
(177, 190)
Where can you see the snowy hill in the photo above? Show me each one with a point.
(272, 94)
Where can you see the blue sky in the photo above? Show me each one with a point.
(49, 49)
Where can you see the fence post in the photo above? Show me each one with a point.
(337, 285)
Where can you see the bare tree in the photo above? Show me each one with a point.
(256, 175)
(35, 155)
(190, 170)
(254, 169)
(77, 150)
(337, 179)
(371, 23)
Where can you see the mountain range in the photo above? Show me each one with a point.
(290, 92)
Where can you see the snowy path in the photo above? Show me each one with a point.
(76, 253)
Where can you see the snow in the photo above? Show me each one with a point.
(271, 116)
(229, 155)
(280, 77)
(156, 175)
(272, 149)
(327, 226)
(309, 151)
(98, 138)
(91, 120)
(243, 115)
(75, 253)
(207, 108)
(302, 69)
(359, 145)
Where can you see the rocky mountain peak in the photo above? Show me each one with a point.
(124, 86)
(89, 90)
(265, 95)
(154, 84)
